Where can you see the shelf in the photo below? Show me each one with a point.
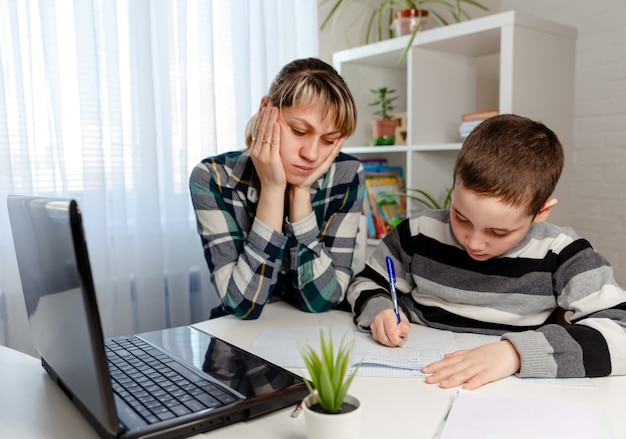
(517, 63)
(476, 37)
(401, 148)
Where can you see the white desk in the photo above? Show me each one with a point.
(31, 406)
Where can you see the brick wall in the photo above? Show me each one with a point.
(598, 173)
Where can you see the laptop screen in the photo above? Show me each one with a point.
(55, 304)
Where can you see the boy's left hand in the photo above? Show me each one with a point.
(476, 367)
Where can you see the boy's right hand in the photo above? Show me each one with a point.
(387, 331)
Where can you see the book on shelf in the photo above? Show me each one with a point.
(379, 165)
(367, 212)
(480, 115)
(386, 205)
(469, 121)
(466, 127)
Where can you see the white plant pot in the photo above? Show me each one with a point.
(328, 426)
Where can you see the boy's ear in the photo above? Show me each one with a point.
(545, 210)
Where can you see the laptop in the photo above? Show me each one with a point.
(168, 383)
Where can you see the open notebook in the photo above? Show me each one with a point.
(163, 384)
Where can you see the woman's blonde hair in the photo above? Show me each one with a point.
(310, 80)
(250, 129)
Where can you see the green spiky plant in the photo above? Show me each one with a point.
(329, 372)
(427, 199)
(383, 98)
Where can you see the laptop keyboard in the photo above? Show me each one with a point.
(155, 385)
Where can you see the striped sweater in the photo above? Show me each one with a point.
(308, 264)
(552, 296)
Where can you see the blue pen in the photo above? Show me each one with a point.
(391, 271)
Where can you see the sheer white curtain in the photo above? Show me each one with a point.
(112, 102)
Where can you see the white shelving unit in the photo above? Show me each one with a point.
(517, 63)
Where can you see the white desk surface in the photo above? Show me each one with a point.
(31, 406)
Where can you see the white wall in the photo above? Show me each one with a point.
(598, 153)
(598, 173)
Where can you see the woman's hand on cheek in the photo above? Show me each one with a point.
(265, 150)
(325, 165)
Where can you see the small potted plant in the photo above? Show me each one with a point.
(329, 411)
(384, 128)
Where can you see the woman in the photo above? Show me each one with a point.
(280, 219)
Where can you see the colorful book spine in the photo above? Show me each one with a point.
(386, 204)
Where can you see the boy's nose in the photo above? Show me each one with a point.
(474, 242)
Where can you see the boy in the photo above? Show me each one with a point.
(491, 264)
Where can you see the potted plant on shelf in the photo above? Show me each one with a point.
(383, 129)
(329, 411)
(387, 14)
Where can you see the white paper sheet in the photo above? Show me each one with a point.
(280, 346)
(478, 416)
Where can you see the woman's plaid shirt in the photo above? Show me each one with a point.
(309, 264)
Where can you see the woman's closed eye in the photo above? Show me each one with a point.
(326, 140)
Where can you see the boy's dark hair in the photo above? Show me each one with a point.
(512, 158)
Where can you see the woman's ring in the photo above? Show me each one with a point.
(268, 142)
(253, 138)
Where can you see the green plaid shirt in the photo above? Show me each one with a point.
(309, 264)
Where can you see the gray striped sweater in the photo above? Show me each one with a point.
(553, 296)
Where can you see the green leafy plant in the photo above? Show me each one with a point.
(329, 372)
(425, 198)
(383, 100)
(381, 18)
